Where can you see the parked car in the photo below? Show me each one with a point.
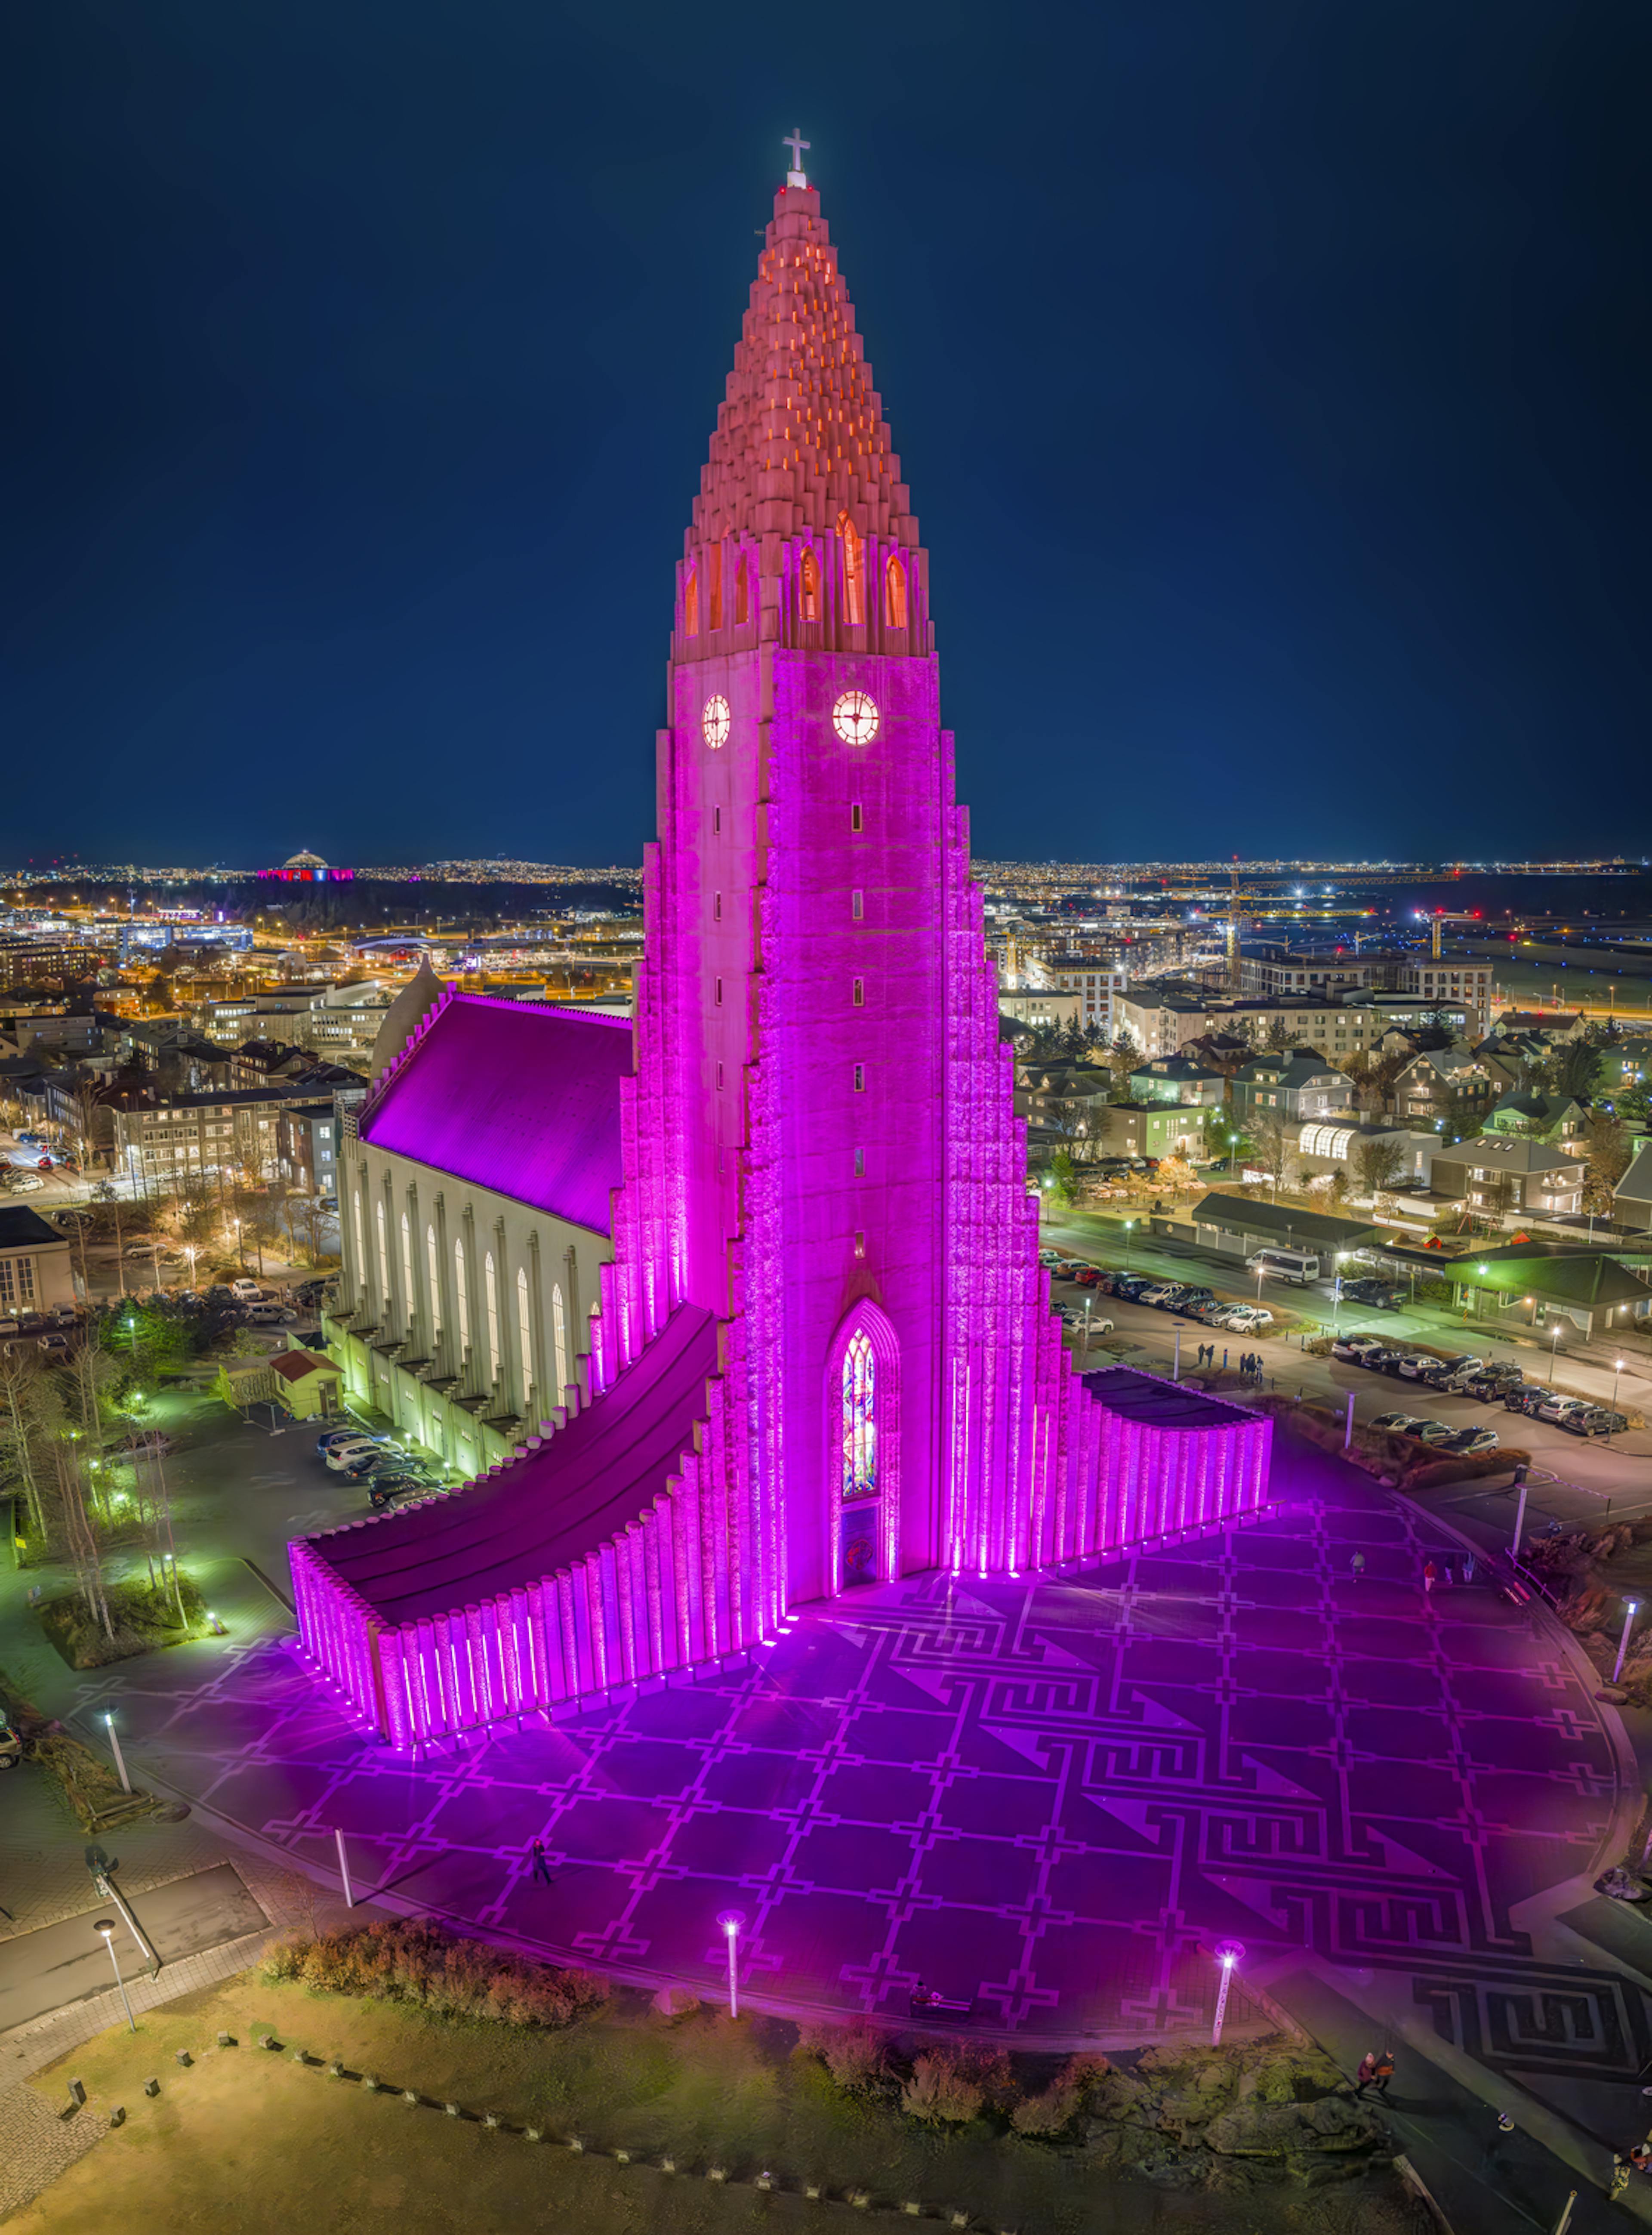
(1489, 1381)
(150, 1442)
(1407, 1365)
(54, 1348)
(25, 1184)
(1129, 1286)
(1373, 1294)
(1250, 1319)
(1434, 1431)
(1595, 1420)
(1556, 1407)
(1157, 1293)
(1525, 1397)
(1398, 1424)
(341, 1457)
(247, 1291)
(269, 1315)
(1470, 1439)
(332, 1437)
(1356, 1348)
(33, 1139)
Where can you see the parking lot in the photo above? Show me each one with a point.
(1579, 1480)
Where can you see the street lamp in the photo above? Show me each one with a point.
(1617, 1369)
(106, 1926)
(731, 1920)
(1631, 1608)
(1228, 1952)
(1128, 1222)
(120, 1759)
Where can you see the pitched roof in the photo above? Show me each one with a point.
(299, 1365)
(1507, 1153)
(1283, 1223)
(23, 1228)
(510, 1096)
(1635, 1186)
(801, 422)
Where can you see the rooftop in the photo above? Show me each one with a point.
(23, 1228)
(518, 1098)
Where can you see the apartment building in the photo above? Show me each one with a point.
(190, 1136)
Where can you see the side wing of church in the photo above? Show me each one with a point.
(821, 1353)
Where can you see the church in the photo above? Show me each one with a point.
(737, 1306)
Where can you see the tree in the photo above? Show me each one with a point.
(1276, 1039)
(1380, 1163)
(1635, 1104)
(1576, 1069)
(1269, 1145)
(1609, 1154)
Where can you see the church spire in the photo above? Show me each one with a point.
(800, 435)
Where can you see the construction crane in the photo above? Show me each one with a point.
(1237, 918)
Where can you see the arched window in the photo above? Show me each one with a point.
(895, 594)
(433, 1270)
(691, 603)
(853, 569)
(858, 1459)
(741, 594)
(361, 1240)
(809, 590)
(559, 1341)
(384, 1255)
(714, 587)
(490, 1301)
(461, 1294)
(524, 1335)
(407, 1267)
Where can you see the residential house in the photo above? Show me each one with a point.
(1632, 1196)
(1294, 1084)
(1179, 1078)
(1450, 1089)
(1498, 1175)
(307, 1145)
(1149, 1129)
(1554, 1119)
(308, 1384)
(1235, 1226)
(37, 1272)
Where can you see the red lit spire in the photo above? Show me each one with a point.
(800, 435)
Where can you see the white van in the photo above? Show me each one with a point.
(1300, 1266)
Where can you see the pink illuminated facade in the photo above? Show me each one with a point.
(825, 1354)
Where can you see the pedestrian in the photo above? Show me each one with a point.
(1468, 1567)
(1367, 2072)
(1620, 2178)
(541, 1863)
(1492, 2156)
(1224, 1360)
(1357, 1563)
(1640, 2157)
(1384, 2073)
(1431, 1575)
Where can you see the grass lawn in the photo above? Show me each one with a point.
(244, 2139)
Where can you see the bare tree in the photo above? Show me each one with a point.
(1380, 1163)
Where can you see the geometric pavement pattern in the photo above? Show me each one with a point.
(1048, 1796)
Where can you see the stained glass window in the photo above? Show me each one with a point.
(860, 1419)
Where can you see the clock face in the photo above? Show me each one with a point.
(855, 717)
(714, 721)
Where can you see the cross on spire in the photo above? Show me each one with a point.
(794, 140)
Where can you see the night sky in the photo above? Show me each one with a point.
(1270, 380)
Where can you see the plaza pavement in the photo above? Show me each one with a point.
(1050, 1798)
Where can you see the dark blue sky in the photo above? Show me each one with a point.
(1270, 380)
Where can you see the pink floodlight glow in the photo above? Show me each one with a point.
(824, 1354)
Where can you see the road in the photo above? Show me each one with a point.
(1575, 1479)
(67, 1962)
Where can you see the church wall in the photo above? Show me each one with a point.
(420, 1348)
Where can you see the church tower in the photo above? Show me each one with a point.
(823, 1355)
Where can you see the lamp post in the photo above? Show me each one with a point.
(1128, 1222)
(1228, 1953)
(1631, 1608)
(106, 1926)
(731, 1920)
(120, 1759)
(1616, 1370)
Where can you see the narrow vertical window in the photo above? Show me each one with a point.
(859, 1078)
(407, 1267)
(433, 1271)
(559, 1341)
(857, 905)
(895, 594)
(524, 1336)
(859, 992)
(716, 908)
(691, 603)
(860, 1242)
(461, 1294)
(742, 595)
(361, 1241)
(384, 1255)
(859, 1163)
(717, 821)
(714, 587)
(856, 820)
(719, 1078)
(490, 1304)
(808, 589)
(854, 575)
(718, 996)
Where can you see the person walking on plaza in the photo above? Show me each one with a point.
(1357, 1565)
(1491, 2158)
(1367, 2072)
(541, 1863)
(1431, 1575)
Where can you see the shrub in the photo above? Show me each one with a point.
(852, 2053)
(940, 2094)
(414, 1960)
(1051, 2113)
